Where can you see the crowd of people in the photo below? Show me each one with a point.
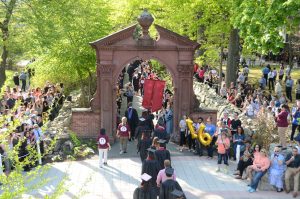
(23, 111)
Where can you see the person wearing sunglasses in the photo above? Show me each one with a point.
(277, 169)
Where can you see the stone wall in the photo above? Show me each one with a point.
(210, 100)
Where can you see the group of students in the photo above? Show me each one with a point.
(23, 111)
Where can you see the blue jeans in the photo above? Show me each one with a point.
(256, 178)
(223, 157)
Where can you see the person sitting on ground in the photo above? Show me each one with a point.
(161, 177)
(277, 169)
(292, 161)
(245, 161)
(146, 190)
(169, 185)
(260, 167)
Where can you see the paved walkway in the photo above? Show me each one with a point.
(118, 180)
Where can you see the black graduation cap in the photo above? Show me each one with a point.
(151, 150)
(169, 171)
(161, 141)
(177, 193)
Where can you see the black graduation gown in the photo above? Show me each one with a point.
(139, 193)
(133, 121)
(161, 134)
(151, 167)
(142, 147)
(140, 129)
(167, 187)
(161, 156)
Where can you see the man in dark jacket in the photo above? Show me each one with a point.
(162, 154)
(132, 118)
(151, 166)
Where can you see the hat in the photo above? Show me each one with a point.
(151, 150)
(161, 141)
(177, 193)
(169, 171)
(145, 177)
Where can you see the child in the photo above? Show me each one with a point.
(223, 144)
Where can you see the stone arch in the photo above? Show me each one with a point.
(116, 50)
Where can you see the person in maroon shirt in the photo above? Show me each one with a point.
(103, 147)
(282, 124)
(123, 133)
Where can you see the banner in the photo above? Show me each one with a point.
(153, 94)
(157, 96)
(148, 89)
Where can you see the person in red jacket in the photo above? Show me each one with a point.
(282, 124)
(103, 147)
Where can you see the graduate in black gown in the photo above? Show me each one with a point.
(160, 131)
(142, 127)
(162, 154)
(168, 186)
(143, 144)
(151, 166)
(146, 190)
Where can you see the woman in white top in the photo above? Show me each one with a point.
(271, 80)
(183, 129)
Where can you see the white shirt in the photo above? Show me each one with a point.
(182, 125)
(270, 75)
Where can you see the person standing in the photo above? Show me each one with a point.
(132, 118)
(235, 123)
(281, 73)
(183, 130)
(292, 171)
(271, 80)
(123, 133)
(277, 169)
(288, 88)
(274, 74)
(296, 120)
(103, 147)
(282, 124)
(146, 190)
(169, 119)
(23, 78)
(168, 186)
(161, 176)
(238, 143)
(265, 72)
(129, 93)
(16, 79)
(223, 144)
(151, 166)
(210, 129)
(162, 154)
(143, 144)
(298, 90)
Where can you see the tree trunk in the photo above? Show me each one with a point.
(233, 57)
(3, 57)
(290, 51)
(5, 34)
(220, 70)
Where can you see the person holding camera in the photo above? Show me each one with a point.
(277, 169)
(292, 171)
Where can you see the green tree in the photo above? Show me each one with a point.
(6, 11)
(262, 23)
(59, 36)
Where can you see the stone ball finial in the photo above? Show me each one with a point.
(145, 20)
